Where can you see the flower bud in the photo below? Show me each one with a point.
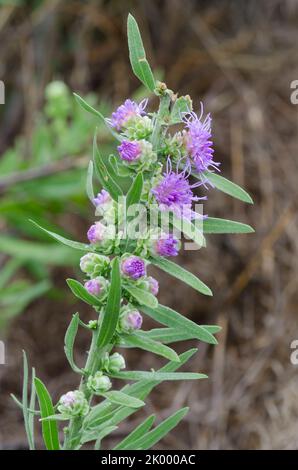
(166, 245)
(96, 233)
(138, 127)
(73, 404)
(137, 153)
(130, 320)
(94, 264)
(133, 267)
(153, 285)
(103, 202)
(115, 363)
(98, 383)
(97, 286)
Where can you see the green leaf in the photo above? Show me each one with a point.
(112, 310)
(69, 340)
(103, 174)
(181, 106)
(173, 335)
(122, 399)
(65, 241)
(137, 55)
(142, 297)
(96, 113)
(25, 402)
(96, 434)
(20, 405)
(160, 376)
(89, 182)
(213, 225)
(152, 437)
(49, 428)
(180, 273)
(128, 442)
(57, 417)
(137, 340)
(173, 319)
(228, 187)
(134, 194)
(32, 407)
(79, 291)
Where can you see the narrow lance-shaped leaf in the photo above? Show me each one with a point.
(32, 407)
(69, 340)
(134, 194)
(96, 113)
(49, 428)
(112, 309)
(142, 297)
(173, 335)
(97, 435)
(180, 273)
(103, 174)
(65, 241)
(173, 319)
(214, 225)
(137, 55)
(25, 402)
(122, 399)
(227, 186)
(141, 430)
(137, 340)
(89, 182)
(160, 376)
(79, 291)
(152, 437)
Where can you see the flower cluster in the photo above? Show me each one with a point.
(171, 191)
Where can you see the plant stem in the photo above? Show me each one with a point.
(95, 354)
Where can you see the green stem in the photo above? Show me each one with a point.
(163, 111)
(95, 354)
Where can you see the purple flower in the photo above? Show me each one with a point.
(133, 267)
(153, 285)
(96, 232)
(129, 150)
(167, 246)
(131, 320)
(102, 198)
(126, 111)
(93, 286)
(174, 193)
(199, 141)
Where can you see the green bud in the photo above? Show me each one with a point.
(93, 324)
(138, 127)
(73, 404)
(98, 383)
(94, 264)
(115, 363)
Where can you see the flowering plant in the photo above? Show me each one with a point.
(158, 164)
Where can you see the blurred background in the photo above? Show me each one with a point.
(239, 58)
